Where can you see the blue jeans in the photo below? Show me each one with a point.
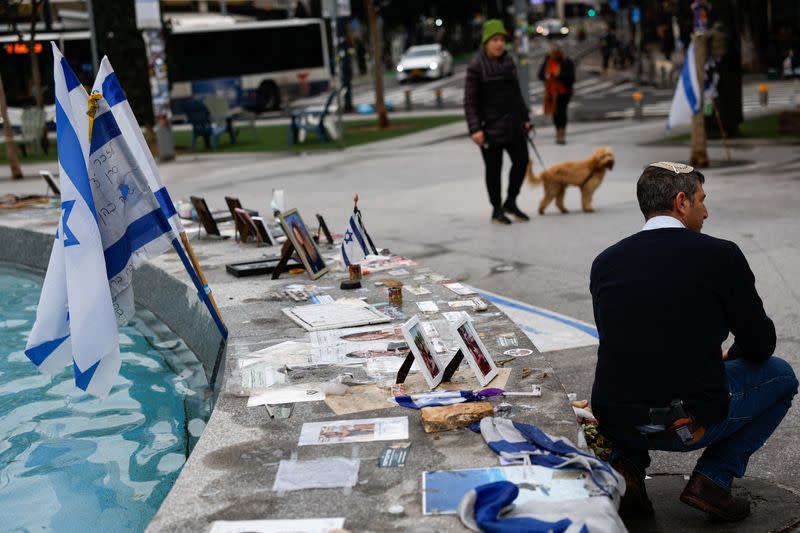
(761, 394)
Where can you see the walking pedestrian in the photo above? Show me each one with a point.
(498, 118)
(558, 74)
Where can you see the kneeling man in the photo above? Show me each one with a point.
(665, 299)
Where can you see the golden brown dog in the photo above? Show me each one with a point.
(586, 174)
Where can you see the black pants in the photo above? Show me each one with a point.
(560, 114)
(493, 159)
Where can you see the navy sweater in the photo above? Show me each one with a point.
(664, 301)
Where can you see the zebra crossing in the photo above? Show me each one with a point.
(782, 94)
(449, 93)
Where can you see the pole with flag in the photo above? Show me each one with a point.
(108, 85)
(116, 214)
(356, 244)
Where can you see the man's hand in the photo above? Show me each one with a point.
(724, 355)
(478, 137)
(527, 126)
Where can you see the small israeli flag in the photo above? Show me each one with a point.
(686, 101)
(75, 319)
(356, 244)
(438, 398)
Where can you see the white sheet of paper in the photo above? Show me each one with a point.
(460, 289)
(335, 315)
(361, 430)
(286, 395)
(428, 306)
(308, 525)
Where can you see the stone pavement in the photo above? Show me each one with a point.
(423, 196)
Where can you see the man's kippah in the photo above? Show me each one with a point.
(677, 168)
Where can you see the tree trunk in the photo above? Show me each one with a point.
(36, 75)
(699, 157)
(11, 147)
(377, 54)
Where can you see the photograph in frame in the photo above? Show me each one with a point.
(420, 345)
(474, 350)
(297, 233)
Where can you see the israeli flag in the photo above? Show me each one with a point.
(133, 226)
(438, 398)
(356, 244)
(75, 319)
(686, 101)
(108, 85)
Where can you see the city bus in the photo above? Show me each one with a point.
(253, 64)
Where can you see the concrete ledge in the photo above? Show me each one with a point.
(230, 473)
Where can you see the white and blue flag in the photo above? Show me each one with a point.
(686, 101)
(134, 225)
(75, 319)
(356, 243)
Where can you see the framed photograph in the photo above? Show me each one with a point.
(423, 351)
(297, 233)
(473, 349)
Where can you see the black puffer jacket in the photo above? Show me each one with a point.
(492, 99)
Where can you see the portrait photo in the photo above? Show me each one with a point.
(304, 245)
(474, 350)
(423, 351)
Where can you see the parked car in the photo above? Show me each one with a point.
(550, 28)
(428, 61)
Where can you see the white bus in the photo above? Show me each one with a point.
(257, 65)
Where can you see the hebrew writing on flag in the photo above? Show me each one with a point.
(356, 243)
(75, 319)
(133, 226)
(108, 85)
(116, 214)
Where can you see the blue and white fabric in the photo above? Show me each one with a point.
(356, 244)
(134, 227)
(522, 443)
(686, 102)
(439, 398)
(75, 319)
(108, 85)
(489, 508)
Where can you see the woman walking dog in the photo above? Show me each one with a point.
(498, 119)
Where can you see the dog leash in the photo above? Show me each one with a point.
(535, 150)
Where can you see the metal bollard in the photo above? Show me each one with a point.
(763, 94)
(407, 95)
(637, 105)
(439, 101)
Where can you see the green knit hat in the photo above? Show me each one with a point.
(491, 28)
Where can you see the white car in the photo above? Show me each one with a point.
(551, 28)
(429, 61)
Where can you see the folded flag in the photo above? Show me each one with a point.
(356, 244)
(491, 507)
(522, 443)
(75, 318)
(438, 398)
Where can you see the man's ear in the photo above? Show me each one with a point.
(679, 202)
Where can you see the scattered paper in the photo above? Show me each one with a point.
(453, 316)
(286, 395)
(354, 345)
(346, 431)
(335, 315)
(398, 272)
(308, 525)
(460, 289)
(394, 455)
(324, 473)
(428, 306)
(416, 290)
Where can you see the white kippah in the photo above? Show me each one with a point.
(677, 168)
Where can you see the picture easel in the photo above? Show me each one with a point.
(447, 373)
(323, 230)
(287, 250)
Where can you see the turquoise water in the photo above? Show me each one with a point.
(70, 462)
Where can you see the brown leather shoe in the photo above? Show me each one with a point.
(635, 503)
(702, 493)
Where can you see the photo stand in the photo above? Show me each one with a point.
(323, 230)
(447, 374)
(287, 250)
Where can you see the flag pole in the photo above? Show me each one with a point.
(206, 289)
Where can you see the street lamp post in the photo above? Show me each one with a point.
(699, 155)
